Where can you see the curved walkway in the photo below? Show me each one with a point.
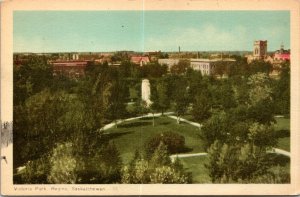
(173, 157)
(186, 121)
(108, 126)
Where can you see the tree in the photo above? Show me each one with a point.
(31, 77)
(63, 165)
(260, 66)
(281, 91)
(174, 142)
(202, 106)
(261, 105)
(160, 157)
(244, 163)
(181, 67)
(223, 95)
(157, 169)
(218, 127)
(160, 96)
(260, 89)
(102, 164)
(181, 98)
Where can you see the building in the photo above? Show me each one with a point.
(169, 62)
(141, 60)
(260, 49)
(281, 55)
(207, 66)
(72, 69)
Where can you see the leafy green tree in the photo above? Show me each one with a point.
(158, 169)
(262, 135)
(31, 77)
(63, 165)
(218, 127)
(36, 171)
(260, 66)
(236, 163)
(260, 89)
(181, 98)
(181, 67)
(202, 106)
(160, 96)
(160, 156)
(281, 91)
(174, 142)
(261, 104)
(169, 175)
(101, 164)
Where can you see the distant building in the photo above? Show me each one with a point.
(260, 49)
(207, 66)
(169, 62)
(72, 69)
(141, 60)
(281, 55)
(153, 55)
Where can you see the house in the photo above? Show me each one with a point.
(141, 60)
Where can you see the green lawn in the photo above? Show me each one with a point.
(196, 166)
(282, 128)
(131, 136)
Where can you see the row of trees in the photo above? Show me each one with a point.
(57, 123)
(51, 115)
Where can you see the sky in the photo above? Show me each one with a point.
(99, 31)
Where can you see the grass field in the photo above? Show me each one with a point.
(196, 166)
(282, 128)
(131, 136)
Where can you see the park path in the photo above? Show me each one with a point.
(108, 126)
(111, 125)
(274, 150)
(173, 157)
(186, 121)
(280, 151)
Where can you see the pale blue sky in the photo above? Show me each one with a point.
(65, 31)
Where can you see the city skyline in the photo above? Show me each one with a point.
(95, 31)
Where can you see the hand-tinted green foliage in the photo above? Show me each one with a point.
(160, 95)
(30, 78)
(282, 91)
(101, 164)
(174, 142)
(153, 70)
(63, 165)
(35, 171)
(181, 67)
(224, 128)
(157, 169)
(244, 163)
(202, 105)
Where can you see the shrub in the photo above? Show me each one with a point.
(175, 143)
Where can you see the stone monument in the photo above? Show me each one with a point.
(146, 92)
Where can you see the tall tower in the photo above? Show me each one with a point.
(260, 49)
